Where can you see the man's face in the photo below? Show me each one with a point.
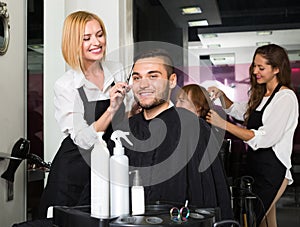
(151, 86)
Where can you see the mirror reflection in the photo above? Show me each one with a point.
(4, 28)
(1, 32)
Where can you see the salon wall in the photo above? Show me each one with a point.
(12, 115)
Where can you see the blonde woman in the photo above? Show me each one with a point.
(87, 98)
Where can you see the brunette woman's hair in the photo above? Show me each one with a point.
(276, 57)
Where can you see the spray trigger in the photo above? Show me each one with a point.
(117, 135)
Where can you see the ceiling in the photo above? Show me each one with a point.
(235, 15)
(236, 22)
(209, 9)
(246, 39)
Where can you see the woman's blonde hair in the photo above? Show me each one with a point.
(72, 37)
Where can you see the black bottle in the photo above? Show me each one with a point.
(249, 198)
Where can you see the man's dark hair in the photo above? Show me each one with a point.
(160, 53)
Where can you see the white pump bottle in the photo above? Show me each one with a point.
(100, 179)
(137, 194)
(119, 177)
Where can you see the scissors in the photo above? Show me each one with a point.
(130, 74)
(180, 215)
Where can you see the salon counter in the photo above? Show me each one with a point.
(80, 216)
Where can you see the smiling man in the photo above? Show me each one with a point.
(153, 78)
(169, 143)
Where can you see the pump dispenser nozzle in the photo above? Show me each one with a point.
(137, 194)
(137, 181)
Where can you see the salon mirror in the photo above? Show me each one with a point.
(4, 28)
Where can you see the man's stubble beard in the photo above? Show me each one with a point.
(156, 102)
(153, 105)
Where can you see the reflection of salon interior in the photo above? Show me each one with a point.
(219, 53)
(35, 103)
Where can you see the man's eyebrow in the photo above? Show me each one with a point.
(135, 73)
(149, 72)
(154, 71)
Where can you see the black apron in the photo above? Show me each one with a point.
(263, 165)
(70, 174)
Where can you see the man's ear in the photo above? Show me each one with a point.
(173, 80)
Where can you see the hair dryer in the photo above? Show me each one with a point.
(20, 150)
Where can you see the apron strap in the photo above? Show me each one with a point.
(89, 107)
(271, 97)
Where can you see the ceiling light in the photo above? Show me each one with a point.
(262, 43)
(214, 46)
(264, 33)
(191, 10)
(219, 59)
(198, 23)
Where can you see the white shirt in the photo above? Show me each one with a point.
(280, 120)
(69, 108)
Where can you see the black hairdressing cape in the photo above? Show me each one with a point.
(168, 150)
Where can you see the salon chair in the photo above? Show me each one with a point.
(233, 155)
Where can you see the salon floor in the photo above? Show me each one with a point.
(288, 208)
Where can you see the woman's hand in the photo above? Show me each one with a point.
(213, 118)
(215, 93)
(117, 95)
(243, 133)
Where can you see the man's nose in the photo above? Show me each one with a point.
(144, 82)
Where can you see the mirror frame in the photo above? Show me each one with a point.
(5, 20)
